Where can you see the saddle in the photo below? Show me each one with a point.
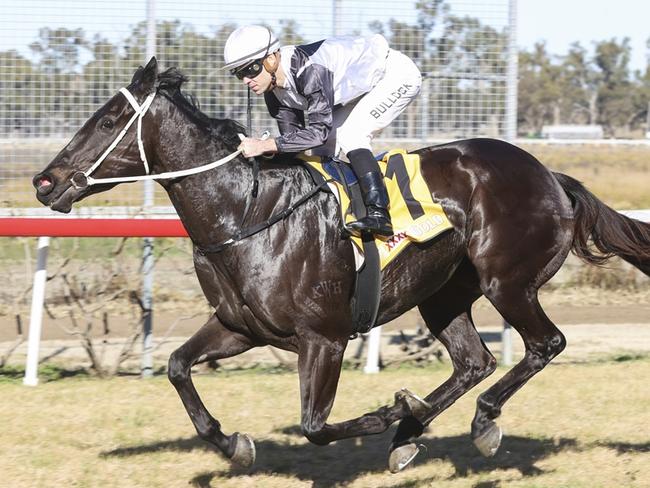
(414, 214)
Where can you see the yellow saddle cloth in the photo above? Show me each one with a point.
(415, 216)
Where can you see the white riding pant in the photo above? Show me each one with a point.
(356, 124)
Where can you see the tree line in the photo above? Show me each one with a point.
(67, 74)
(583, 87)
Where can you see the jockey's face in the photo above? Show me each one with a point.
(260, 82)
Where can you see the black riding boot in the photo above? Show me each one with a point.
(373, 192)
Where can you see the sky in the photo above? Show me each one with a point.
(561, 22)
(558, 22)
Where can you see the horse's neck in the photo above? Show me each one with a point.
(212, 204)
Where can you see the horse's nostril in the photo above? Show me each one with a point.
(43, 184)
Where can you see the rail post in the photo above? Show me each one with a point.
(510, 135)
(372, 359)
(36, 315)
(148, 242)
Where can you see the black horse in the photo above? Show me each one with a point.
(514, 224)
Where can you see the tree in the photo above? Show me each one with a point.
(540, 89)
(416, 41)
(18, 113)
(59, 51)
(463, 60)
(580, 86)
(460, 58)
(289, 34)
(612, 60)
(103, 71)
(470, 61)
(58, 57)
(640, 116)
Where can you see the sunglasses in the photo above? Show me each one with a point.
(251, 70)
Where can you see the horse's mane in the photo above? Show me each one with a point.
(170, 83)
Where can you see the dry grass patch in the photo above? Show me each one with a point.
(618, 175)
(573, 425)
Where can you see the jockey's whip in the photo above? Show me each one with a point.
(249, 130)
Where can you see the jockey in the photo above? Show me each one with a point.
(330, 96)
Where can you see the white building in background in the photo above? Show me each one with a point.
(570, 131)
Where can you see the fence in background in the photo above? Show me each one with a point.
(62, 59)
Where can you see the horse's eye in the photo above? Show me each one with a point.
(107, 124)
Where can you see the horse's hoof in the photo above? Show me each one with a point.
(417, 406)
(489, 441)
(244, 455)
(401, 456)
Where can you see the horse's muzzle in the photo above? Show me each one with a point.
(43, 183)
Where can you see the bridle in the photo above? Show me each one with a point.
(82, 179)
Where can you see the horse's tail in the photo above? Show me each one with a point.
(611, 233)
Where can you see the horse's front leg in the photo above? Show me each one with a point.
(212, 341)
(319, 367)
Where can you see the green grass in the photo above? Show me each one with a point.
(95, 248)
(577, 425)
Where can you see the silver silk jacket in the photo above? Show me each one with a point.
(318, 77)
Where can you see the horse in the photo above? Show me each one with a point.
(514, 223)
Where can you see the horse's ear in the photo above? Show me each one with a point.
(137, 76)
(149, 76)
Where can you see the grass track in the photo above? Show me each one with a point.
(580, 425)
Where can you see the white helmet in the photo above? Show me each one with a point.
(248, 43)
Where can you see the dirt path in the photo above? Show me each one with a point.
(585, 342)
(596, 323)
(563, 314)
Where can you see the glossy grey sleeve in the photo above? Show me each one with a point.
(316, 85)
(288, 119)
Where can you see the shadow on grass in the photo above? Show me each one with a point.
(47, 372)
(55, 372)
(343, 461)
(626, 447)
(178, 445)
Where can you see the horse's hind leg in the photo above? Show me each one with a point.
(447, 315)
(212, 341)
(543, 341)
(511, 282)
